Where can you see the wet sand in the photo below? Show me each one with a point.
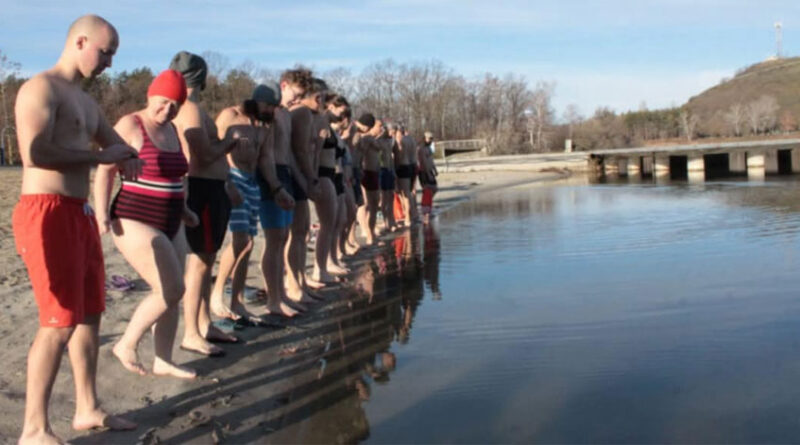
(278, 374)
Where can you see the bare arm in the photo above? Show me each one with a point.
(128, 133)
(201, 145)
(266, 159)
(301, 141)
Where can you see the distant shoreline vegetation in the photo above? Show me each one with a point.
(513, 117)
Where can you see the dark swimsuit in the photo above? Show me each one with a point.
(156, 198)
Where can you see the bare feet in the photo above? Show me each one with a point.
(220, 309)
(199, 345)
(98, 418)
(298, 299)
(129, 359)
(350, 249)
(282, 309)
(167, 369)
(39, 438)
(337, 269)
(214, 334)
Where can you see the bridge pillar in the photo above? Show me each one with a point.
(696, 168)
(633, 166)
(622, 166)
(796, 160)
(737, 162)
(771, 161)
(610, 167)
(755, 165)
(647, 165)
(662, 166)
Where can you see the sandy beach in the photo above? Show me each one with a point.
(252, 392)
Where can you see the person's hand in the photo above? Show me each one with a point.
(284, 199)
(313, 191)
(189, 218)
(116, 153)
(130, 168)
(103, 222)
(233, 194)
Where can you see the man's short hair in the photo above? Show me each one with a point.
(299, 76)
(317, 86)
(336, 100)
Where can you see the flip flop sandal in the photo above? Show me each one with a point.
(120, 283)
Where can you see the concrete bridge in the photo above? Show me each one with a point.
(754, 159)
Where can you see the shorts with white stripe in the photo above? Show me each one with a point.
(244, 218)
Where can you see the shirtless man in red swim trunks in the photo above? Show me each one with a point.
(56, 122)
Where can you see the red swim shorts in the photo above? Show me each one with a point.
(371, 180)
(57, 238)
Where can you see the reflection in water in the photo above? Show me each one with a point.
(573, 314)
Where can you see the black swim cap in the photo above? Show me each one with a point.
(193, 68)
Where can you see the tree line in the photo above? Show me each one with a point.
(508, 112)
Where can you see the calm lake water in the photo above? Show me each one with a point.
(582, 314)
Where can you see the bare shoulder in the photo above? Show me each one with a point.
(189, 116)
(41, 89)
(128, 128)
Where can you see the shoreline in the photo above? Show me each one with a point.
(182, 409)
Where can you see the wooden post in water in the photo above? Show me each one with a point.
(755, 165)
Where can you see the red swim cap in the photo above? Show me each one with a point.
(169, 84)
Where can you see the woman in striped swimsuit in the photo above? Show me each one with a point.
(144, 220)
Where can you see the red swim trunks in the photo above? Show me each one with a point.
(57, 238)
(371, 180)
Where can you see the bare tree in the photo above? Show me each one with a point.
(218, 64)
(762, 114)
(541, 112)
(689, 122)
(572, 116)
(735, 117)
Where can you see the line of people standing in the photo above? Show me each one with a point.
(186, 180)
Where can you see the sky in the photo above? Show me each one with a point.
(612, 53)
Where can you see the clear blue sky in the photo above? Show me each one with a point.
(599, 52)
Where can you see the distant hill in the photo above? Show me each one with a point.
(779, 78)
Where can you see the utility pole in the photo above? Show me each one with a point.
(778, 40)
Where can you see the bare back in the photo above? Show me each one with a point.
(197, 131)
(52, 111)
(408, 151)
(370, 151)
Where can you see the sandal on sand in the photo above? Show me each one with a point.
(120, 283)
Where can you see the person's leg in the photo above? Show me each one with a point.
(272, 268)
(83, 349)
(404, 186)
(44, 359)
(198, 330)
(337, 243)
(326, 212)
(296, 256)
(242, 245)
(155, 259)
(227, 261)
(373, 199)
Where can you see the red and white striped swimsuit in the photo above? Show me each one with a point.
(156, 198)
